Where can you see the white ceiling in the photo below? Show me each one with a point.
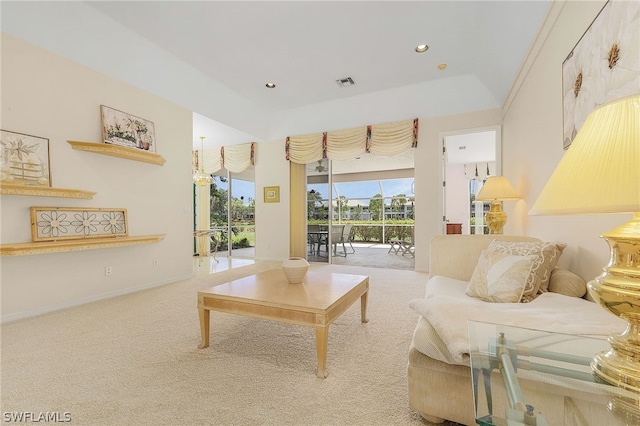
(218, 55)
(305, 46)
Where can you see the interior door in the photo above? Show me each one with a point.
(468, 158)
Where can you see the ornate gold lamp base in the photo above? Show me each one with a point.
(618, 291)
(625, 409)
(620, 366)
(495, 218)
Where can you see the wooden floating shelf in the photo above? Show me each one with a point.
(44, 191)
(42, 247)
(119, 151)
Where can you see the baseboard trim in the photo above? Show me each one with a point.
(47, 309)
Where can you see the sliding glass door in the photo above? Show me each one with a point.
(232, 213)
(242, 214)
(318, 211)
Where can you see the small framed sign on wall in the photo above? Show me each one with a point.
(271, 194)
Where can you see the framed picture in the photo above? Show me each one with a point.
(24, 159)
(603, 66)
(271, 194)
(66, 223)
(120, 128)
(195, 163)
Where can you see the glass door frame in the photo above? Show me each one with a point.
(497, 154)
(329, 209)
(228, 226)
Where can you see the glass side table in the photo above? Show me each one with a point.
(537, 378)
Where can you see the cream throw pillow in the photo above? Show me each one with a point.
(567, 283)
(546, 255)
(500, 277)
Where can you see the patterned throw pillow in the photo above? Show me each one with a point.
(546, 255)
(500, 277)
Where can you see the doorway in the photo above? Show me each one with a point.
(360, 212)
(469, 156)
(233, 213)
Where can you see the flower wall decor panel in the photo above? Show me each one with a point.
(24, 159)
(60, 223)
(603, 66)
(120, 128)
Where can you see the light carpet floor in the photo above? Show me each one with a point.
(133, 360)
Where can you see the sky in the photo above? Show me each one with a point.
(367, 189)
(363, 189)
(240, 188)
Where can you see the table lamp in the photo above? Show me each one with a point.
(496, 189)
(600, 173)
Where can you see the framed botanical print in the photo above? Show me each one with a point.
(24, 159)
(121, 128)
(603, 66)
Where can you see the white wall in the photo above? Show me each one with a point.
(532, 147)
(77, 30)
(46, 95)
(429, 173)
(272, 219)
(430, 99)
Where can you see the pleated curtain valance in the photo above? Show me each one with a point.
(305, 149)
(379, 139)
(235, 158)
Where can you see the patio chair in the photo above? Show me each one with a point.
(313, 238)
(336, 237)
(342, 235)
(402, 246)
(408, 247)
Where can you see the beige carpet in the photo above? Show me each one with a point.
(133, 360)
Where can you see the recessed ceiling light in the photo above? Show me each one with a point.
(422, 48)
(270, 85)
(442, 67)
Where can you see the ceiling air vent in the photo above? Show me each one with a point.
(345, 82)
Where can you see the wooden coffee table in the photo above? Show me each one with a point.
(317, 302)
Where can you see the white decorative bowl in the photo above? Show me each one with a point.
(295, 268)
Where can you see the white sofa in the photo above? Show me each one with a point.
(439, 381)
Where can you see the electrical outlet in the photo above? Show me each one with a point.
(155, 263)
(108, 270)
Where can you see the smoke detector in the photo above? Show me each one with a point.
(345, 82)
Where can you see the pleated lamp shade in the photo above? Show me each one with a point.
(600, 172)
(497, 188)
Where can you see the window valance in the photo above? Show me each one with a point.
(235, 158)
(305, 149)
(379, 139)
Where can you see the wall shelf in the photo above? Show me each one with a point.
(119, 151)
(42, 247)
(44, 191)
